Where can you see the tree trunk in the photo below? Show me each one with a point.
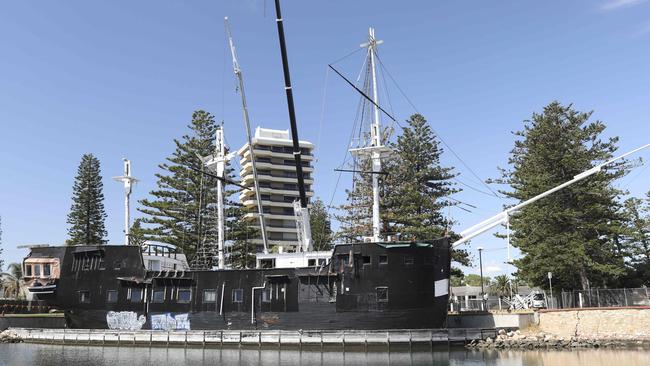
(584, 281)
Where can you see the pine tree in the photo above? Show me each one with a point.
(137, 233)
(572, 232)
(321, 226)
(87, 214)
(419, 184)
(180, 213)
(635, 241)
(239, 233)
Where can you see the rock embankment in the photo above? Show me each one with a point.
(514, 340)
(10, 336)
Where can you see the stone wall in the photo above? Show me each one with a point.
(617, 323)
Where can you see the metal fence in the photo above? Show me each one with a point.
(598, 298)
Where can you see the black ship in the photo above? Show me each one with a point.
(362, 286)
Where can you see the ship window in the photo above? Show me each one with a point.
(266, 295)
(184, 295)
(37, 270)
(158, 296)
(321, 261)
(383, 259)
(209, 296)
(135, 294)
(366, 259)
(46, 270)
(311, 262)
(111, 296)
(408, 260)
(28, 270)
(382, 294)
(84, 297)
(237, 295)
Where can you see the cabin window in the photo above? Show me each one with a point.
(383, 259)
(111, 296)
(382, 294)
(266, 295)
(321, 261)
(311, 262)
(37, 270)
(184, 295)
(366, 259)
(158, 295)
(47, 270)
(84, 297)
(238, 295)
(408, 260)
(209, 296)
(28, 270)
(135, 294)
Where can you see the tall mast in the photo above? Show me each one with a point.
(247, 124)
(217, 164)
(128, 182)
(375, 135)
(303, 225)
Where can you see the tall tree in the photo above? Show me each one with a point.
(635, 241)
(321, 226)
(87, 214)
(572, 232)
(420, 185)
(179, 213)
(137, 233)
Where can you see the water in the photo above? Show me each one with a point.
(41, 355)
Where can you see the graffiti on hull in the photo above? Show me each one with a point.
(125, 320)
(170, 322)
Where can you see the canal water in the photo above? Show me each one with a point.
(41, 355)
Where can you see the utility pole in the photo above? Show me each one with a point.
(240, 79)
(128, 182)
(480, 261)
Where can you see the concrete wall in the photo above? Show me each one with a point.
(620, 323)
(488, 320)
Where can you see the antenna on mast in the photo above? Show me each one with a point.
(128, 182)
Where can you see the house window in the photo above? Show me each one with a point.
(135, 294)
(408, 260)
(366, 259)
(37, 270)
(184, 295)
(158, 296)
(84, 297)
(28, 270)
(47, 270)
(111, 296)
(266, 295)
(382, 294)
(383, 259)
(209, 296)
(238, 295)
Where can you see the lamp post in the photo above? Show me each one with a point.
(480, 261)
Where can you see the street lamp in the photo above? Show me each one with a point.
(480, 261)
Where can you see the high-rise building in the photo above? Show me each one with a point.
(277, 179)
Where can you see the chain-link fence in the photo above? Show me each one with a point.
(598, 298)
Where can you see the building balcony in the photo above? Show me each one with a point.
(264, 177)
(263, 190)
(245, 157)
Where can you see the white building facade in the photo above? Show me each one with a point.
(277, 179)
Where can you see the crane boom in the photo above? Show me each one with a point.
(247, 124)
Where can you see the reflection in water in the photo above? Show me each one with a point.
(41, 355)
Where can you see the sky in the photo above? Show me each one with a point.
(122, 78)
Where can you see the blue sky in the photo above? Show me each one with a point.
(121, 79)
